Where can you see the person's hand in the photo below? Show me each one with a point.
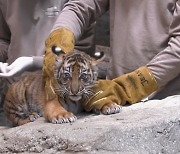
(20, 65)
(131, 87)
(3, 67)
(60, 40)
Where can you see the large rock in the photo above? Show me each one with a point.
(146, 127)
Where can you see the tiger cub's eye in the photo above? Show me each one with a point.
(66, 77)
(84, 77)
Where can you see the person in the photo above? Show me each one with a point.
(145, 47)
(24, 27)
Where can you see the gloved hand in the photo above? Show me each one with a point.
(131, 87)
(59, 40)
(20, 65)
(62, 38)
(3, 67)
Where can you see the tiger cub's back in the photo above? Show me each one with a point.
(24, 99)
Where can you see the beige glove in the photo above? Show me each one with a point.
(63, 40)
(131, 87)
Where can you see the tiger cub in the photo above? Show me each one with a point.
(75, 74)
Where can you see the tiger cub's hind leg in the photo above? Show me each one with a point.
(33, 116)
(20, 112)
(18, 120)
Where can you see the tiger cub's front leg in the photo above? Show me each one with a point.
(55, 113)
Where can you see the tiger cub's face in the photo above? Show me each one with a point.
(75, 73)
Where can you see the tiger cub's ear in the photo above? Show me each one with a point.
(57, 50)
(59, 55)
(98, 57)
(98, 65)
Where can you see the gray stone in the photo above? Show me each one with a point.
(146, 127)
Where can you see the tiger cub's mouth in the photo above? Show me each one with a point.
(75, 97)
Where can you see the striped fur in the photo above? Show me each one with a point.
(75, 74)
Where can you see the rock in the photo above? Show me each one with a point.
(145, 127)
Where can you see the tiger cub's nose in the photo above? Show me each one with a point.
(76, 88)
(74, 91)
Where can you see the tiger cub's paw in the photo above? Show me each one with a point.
(111, 108)
(66, 117)
(33, 116)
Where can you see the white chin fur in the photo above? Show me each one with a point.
(75, 98)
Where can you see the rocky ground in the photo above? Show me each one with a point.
(146, 127)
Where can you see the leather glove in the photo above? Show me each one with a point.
(131, 88)
(20, 65)
(59, 40)
(62, 38)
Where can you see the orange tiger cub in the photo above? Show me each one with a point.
(74, 74)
